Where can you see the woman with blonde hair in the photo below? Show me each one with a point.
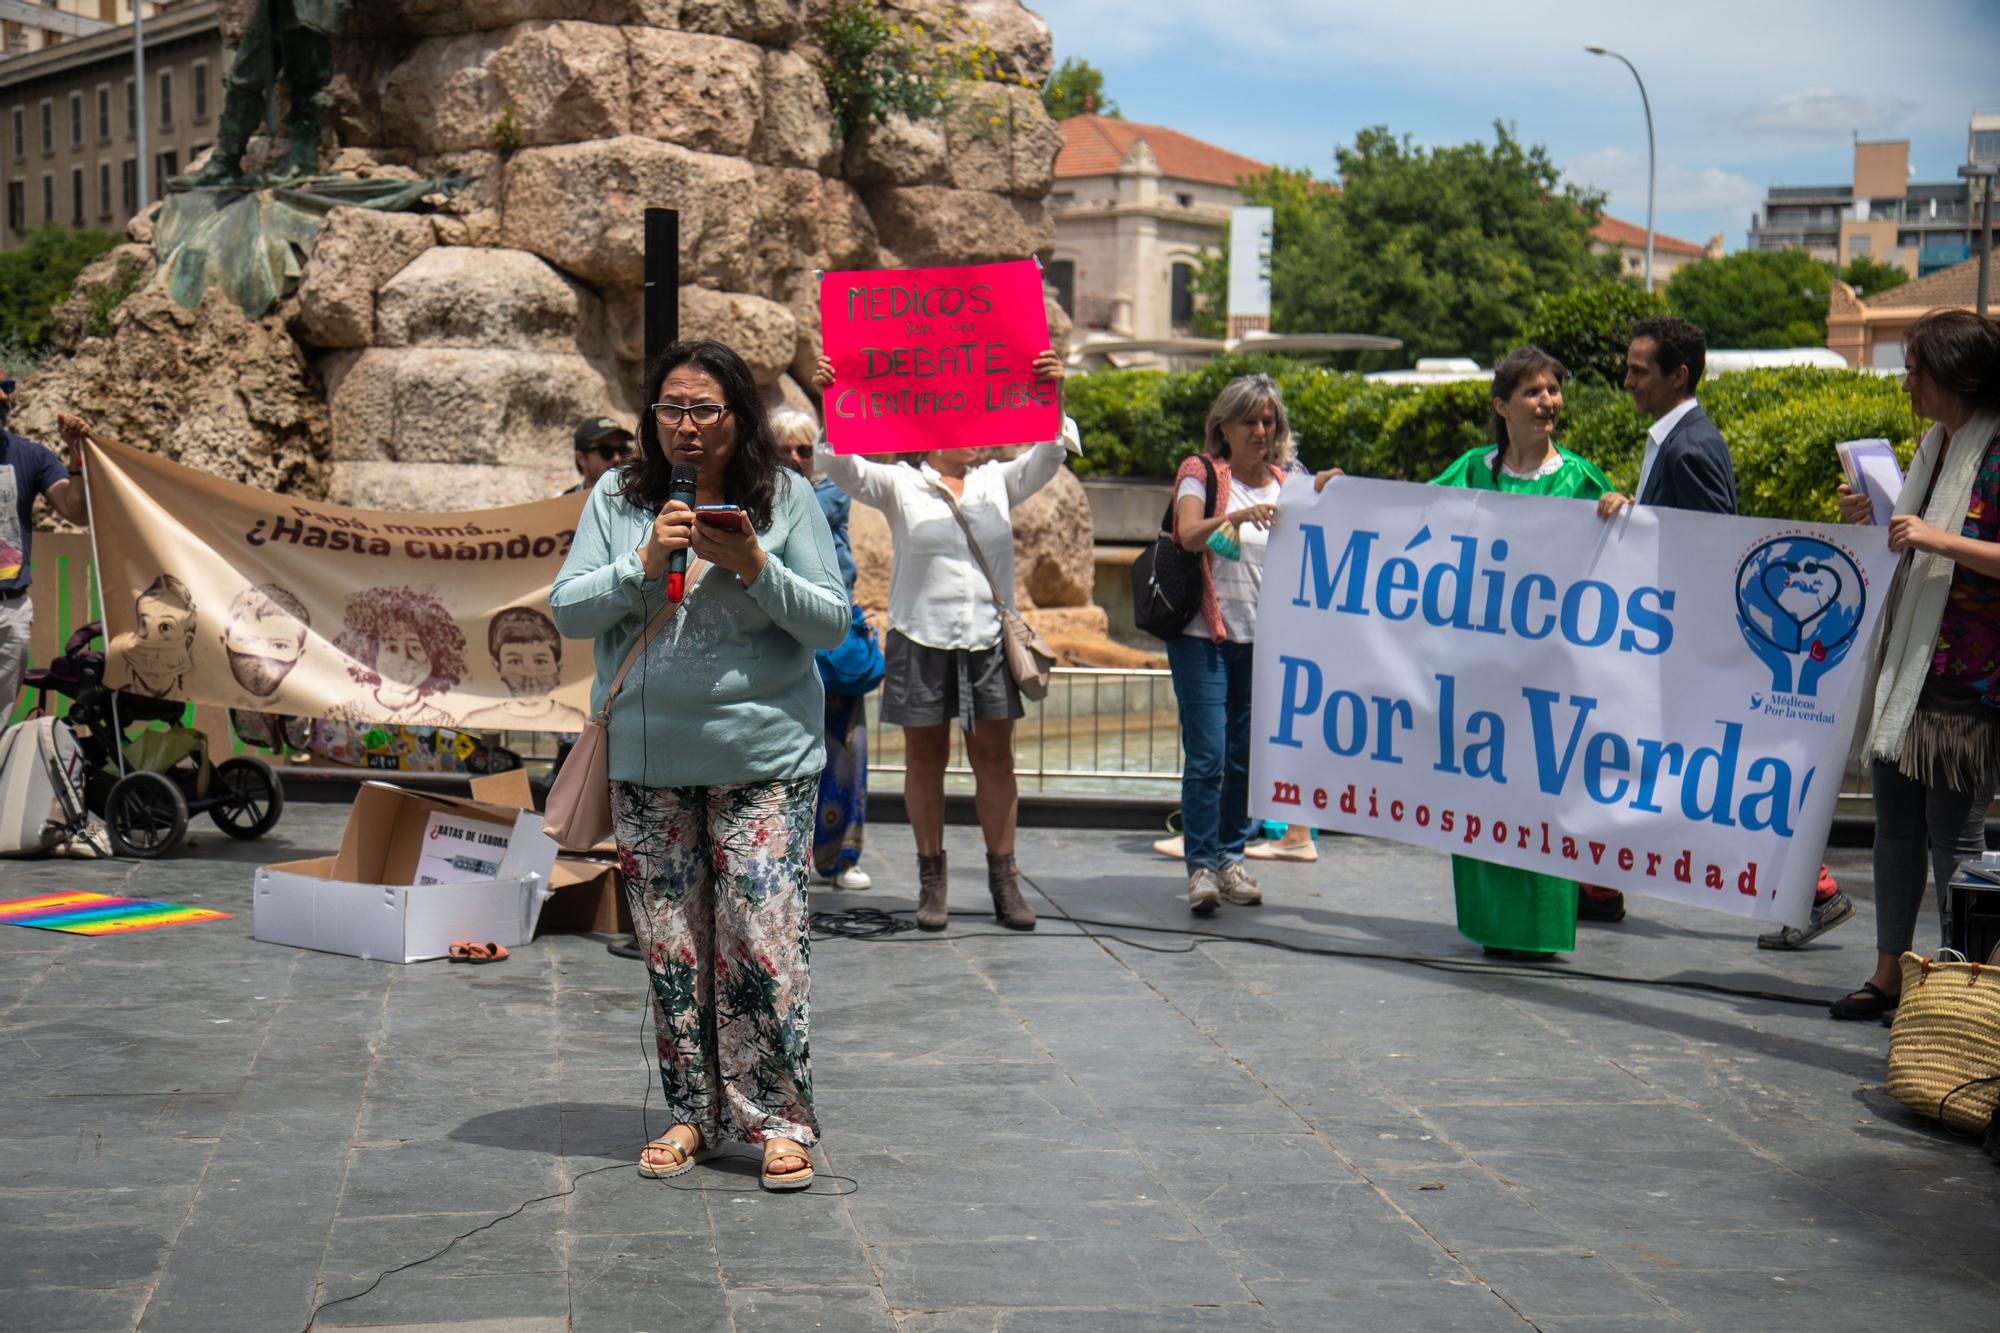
(1247, 449)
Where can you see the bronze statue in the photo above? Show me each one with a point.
(292, 38)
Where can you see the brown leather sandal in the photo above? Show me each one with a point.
(785, 1180)
(683, 1159)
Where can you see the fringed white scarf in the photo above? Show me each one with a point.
(1917, 594)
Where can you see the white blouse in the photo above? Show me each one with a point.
(937, 595)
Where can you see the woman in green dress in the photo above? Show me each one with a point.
(1518, 912)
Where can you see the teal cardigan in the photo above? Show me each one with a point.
(728, 691)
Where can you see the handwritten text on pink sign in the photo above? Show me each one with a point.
(936, 358)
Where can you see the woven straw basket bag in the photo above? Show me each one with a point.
(1944, 1047)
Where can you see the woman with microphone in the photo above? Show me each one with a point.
(715, 746)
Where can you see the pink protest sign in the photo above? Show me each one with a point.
(936, 358)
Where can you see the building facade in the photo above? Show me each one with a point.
(69, 121)
(1868, 330)
(1919, 227)
(1134, 207)
(36, 25)
(1671, 254)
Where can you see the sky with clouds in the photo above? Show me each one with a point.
(1745, 95)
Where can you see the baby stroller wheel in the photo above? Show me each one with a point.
(248, 797)
(147, 815)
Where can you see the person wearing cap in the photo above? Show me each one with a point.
(601, 445)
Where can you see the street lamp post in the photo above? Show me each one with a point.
(1984, 175)
(139, 163)
(1651, 161)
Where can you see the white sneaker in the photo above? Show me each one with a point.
(851, 880)
(1203, 891)
(1238, 887)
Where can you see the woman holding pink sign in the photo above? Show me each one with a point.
(944, 656)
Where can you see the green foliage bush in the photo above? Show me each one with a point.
(1781, 425)
(36, 277)
(1755, 298)
(1586, 326)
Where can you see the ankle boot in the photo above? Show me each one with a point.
(931, 912)
(1008, 904)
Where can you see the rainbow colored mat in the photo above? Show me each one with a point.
(99, 914)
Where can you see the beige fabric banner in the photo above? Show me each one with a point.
(217, 593)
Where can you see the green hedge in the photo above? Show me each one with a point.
(1781, 424)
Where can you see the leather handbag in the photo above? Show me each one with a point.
(1166, 579)
(1029, 657)
(578, 812)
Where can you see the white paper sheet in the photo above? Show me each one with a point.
(458, 849)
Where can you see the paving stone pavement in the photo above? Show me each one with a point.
(1046, 1132)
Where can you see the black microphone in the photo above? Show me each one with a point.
(679, 487)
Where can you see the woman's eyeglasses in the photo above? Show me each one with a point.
(702, 414)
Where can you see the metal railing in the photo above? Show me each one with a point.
(1097, 729)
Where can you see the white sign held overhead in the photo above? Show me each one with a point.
(1250, 231)
(1661, 703)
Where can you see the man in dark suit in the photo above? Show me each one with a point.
(1686, 466)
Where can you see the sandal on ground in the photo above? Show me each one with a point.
(1871, 1001)
(680, 1159)
(470, 951)
(786, 1180)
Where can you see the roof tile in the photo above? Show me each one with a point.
(1095, 145)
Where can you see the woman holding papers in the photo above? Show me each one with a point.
(945, 662)
(1933, 738)
(1507, 910)
(715, 746)
(1248, 451)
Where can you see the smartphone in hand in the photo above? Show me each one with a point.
(727, 517)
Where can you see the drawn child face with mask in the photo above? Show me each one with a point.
(265, 637)
(156, 652)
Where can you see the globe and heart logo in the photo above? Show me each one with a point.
(1799, 602)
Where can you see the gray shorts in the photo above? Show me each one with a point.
(924, 686)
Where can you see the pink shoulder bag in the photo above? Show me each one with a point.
(578, 811)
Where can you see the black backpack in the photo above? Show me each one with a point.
(1166, 580)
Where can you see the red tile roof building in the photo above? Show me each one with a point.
(1670, 253)
(1134, 207)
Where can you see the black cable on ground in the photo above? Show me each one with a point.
(877, 924)
(645, 1127)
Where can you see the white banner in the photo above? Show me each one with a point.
(1250, 230)
(1661, 703)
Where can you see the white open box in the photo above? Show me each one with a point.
(360, 901)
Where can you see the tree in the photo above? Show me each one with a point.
(1445, 248)
(1587, 327)
(36, 277)
(1076, 88)
(1868, 275)
(1755, 298)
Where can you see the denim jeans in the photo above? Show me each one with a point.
(1212, 683)
(1915, 824)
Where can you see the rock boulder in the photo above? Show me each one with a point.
(698, 91)
(926, 225)
(358, 250)
(762, 332)
(464, 296)
(194, 386)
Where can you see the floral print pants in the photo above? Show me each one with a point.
(717, 880)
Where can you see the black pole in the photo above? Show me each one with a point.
(663, 280)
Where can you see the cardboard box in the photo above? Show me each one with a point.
(588, 896)
(360, 901)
